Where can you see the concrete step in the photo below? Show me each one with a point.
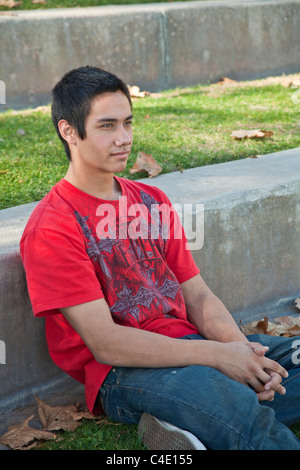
(155, 46)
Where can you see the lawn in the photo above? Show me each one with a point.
(181, 128)
(103, 435)
(42, 4)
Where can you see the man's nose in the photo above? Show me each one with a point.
(123, 137)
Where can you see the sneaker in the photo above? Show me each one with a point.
(159, 435)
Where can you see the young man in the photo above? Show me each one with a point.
(127, 312)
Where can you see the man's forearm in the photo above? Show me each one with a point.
(119, 345)
(124, 346)
(206, 311)
(214, 321)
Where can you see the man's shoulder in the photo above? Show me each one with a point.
(52, 211)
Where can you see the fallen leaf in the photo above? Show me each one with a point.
(254, 327)
(295, 83)
(21, 435)
(20, 132)
(226, 81)
(136, 93)
(146, 163)
(9, 3)
(60, 417)
(282, 326)
(250, 134)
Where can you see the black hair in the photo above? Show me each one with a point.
(73, 94)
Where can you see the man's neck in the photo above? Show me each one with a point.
(103, 187)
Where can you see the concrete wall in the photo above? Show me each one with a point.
(155, 46)
(250, 255)
(250, 258)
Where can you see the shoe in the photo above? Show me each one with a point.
(159, 435)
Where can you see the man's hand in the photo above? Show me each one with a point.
(274, 384)
(245, 362)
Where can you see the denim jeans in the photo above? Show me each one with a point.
(222, 413)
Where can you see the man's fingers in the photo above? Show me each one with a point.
(275, 383)
(266, 395)
(259, 348)
(279, 369)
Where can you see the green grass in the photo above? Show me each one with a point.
(28, 5)
(296, 429)
(182, 128)
(102, 434)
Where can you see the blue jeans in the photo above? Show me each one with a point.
(222, 413)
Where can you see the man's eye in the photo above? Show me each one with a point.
(108, 125)
(128, 123)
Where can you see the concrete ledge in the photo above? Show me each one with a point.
(250, 258)
(155, 46)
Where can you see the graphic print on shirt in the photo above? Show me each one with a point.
(135, 279)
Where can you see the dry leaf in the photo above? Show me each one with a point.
(290, 326)
(136, 93)
(226, 81)
(146, 163)
(295, 83)
(21, 435)
(250, 134)
(282, 326)
(60, 417)
(9, 3)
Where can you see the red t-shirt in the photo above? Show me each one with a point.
(77, 248)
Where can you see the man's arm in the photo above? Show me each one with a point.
(208, 313)
(119, 345)
(125, 346)
(214, 321)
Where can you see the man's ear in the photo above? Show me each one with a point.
(67, 131)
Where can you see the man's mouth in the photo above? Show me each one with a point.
(121, 154)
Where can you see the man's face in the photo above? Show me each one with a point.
(108, 140)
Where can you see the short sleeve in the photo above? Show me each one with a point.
(59, 272)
